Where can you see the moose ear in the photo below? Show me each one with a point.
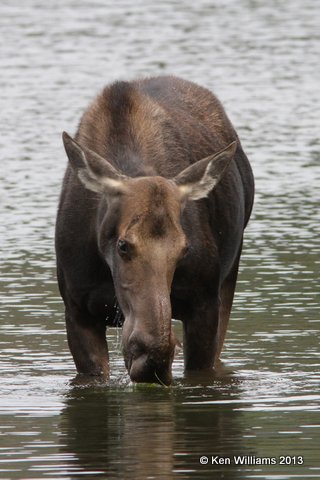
(96, 173)
(200, 178)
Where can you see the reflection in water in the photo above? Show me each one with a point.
(148, 431)
(120, 433)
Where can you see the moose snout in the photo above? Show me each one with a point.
(144, 369)
(149, 360)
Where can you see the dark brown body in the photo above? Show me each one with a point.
(127, 231)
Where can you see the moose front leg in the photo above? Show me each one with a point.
(201, 337)
(87, 343)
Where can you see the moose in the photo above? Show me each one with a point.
(154, 202)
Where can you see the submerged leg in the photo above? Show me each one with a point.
(87, 343)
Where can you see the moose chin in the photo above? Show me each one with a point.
(153, 207)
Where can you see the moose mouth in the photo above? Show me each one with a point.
(145, 370)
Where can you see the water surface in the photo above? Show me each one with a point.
(262, 59)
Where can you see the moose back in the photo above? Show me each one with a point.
(154, 203)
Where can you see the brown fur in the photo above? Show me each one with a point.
(128, 225)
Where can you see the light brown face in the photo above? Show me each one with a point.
(150, 242)
(149, 226)
(142, 240)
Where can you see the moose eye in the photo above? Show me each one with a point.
(123, 247)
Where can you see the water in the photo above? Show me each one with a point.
(262, 59)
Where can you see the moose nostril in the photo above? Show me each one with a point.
(138, 368)
(137, 348)
(139, 344)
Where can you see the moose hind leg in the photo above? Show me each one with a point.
(226, 300)
(87, 343)
(200, 337)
